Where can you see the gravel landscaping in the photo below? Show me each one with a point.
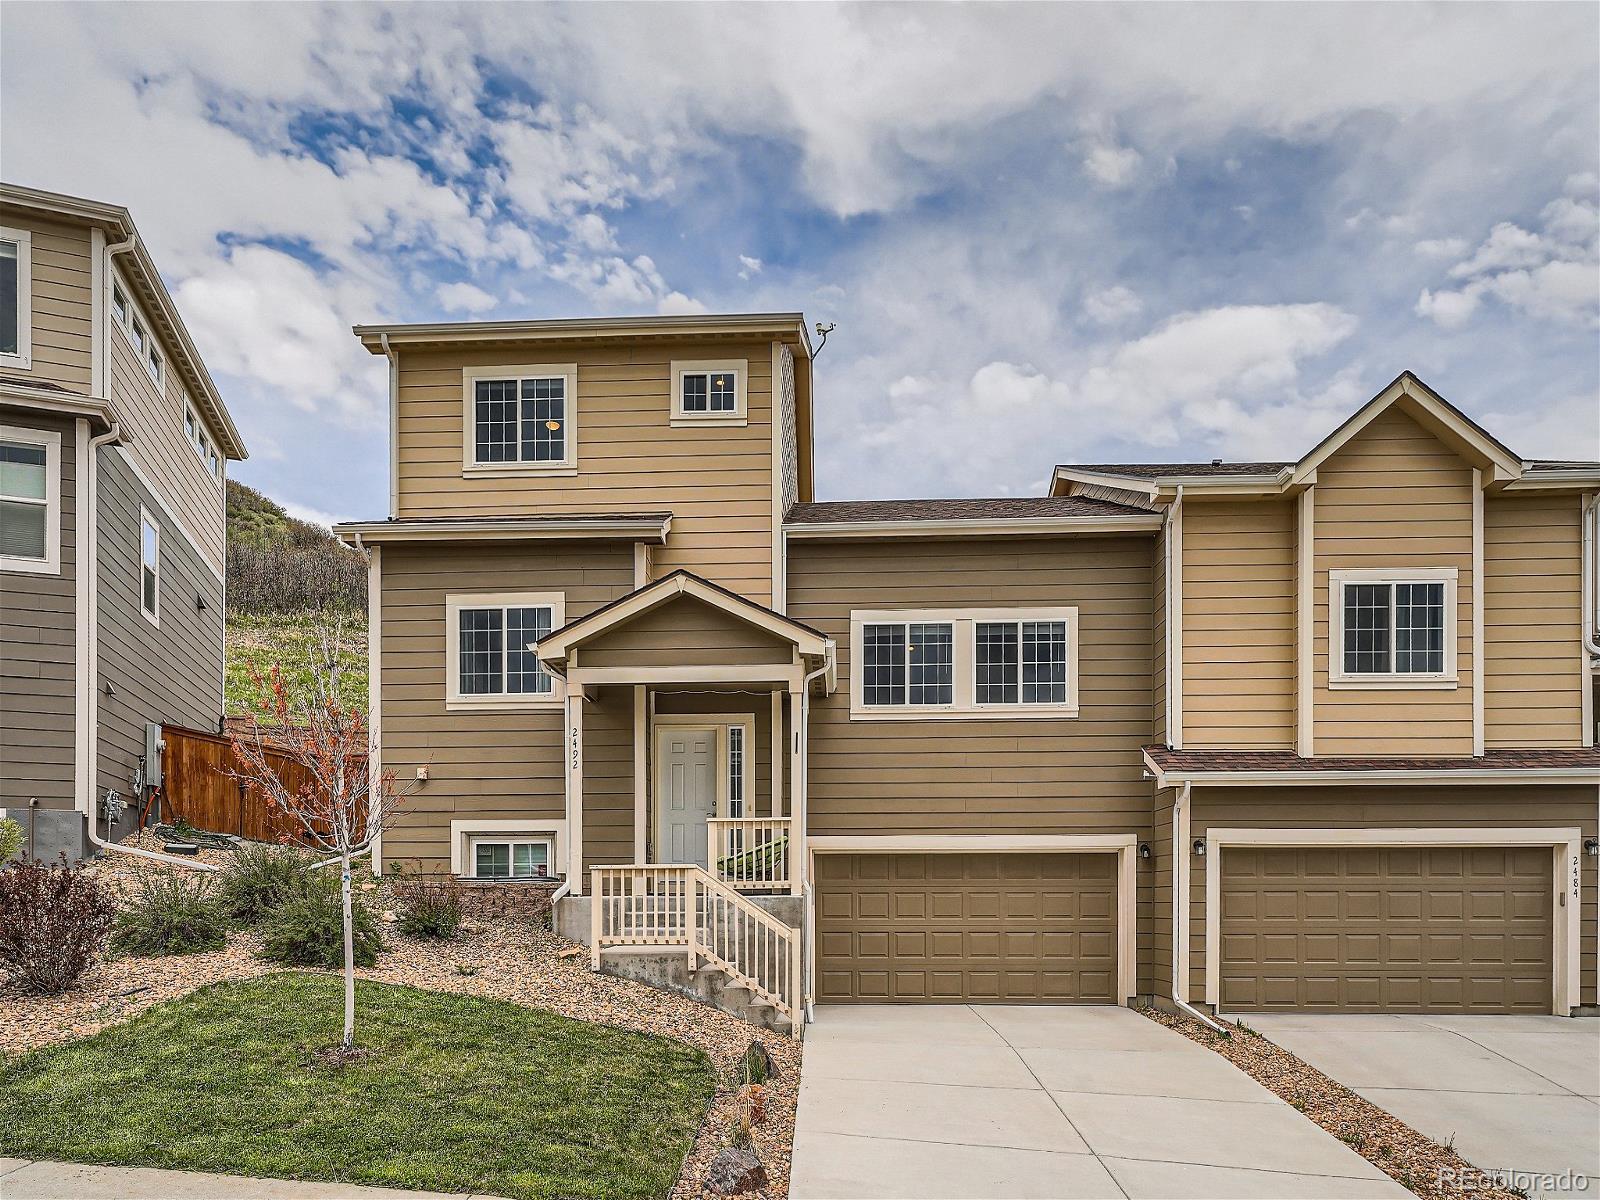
(1415, 1162)
(504, 959)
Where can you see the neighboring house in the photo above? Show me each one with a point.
(113, 449)
(1342, 706)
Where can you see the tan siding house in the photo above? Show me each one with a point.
(1239, 736)
(112, 577)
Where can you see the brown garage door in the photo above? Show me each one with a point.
(1387, 930)
(950, 928)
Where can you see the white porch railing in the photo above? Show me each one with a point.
(749, 854)
(684, 906)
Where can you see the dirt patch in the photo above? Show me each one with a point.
(506, 959)
(1431, 1171)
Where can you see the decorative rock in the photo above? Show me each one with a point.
(735, 1171)
(758, 1065)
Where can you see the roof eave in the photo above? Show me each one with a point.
(787, 326)
(635, 529)
(1173, 776)
(975, 527)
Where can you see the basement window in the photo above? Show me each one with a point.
(510, 858)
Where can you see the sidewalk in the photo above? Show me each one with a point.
(24, 1180)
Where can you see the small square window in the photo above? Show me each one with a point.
(712, 392)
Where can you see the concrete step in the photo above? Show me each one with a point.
(709, 984)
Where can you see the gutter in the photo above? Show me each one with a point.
(973, 526)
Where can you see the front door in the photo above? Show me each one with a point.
(686, 792)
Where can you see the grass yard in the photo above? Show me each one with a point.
(293, 641)
(460, 1094)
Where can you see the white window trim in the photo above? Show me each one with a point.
(133, 313)
(23, 358)
(470, 376)
(50, 564)
(202, 439)
(147, 518)
(740, 415)
(503, 702)
(1339, 678)
(463, 832)
(964, 631)
(511, 840)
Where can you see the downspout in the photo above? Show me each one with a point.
(1174, 531)
(394, 423)
(799, 803)
(1591, 523)
(1180, 908)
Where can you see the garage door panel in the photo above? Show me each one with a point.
(1018, 928)
(1387, 929)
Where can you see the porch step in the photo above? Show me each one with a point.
(710, 985)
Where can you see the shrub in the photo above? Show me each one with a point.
(53, 920)
(10, 838)
(428, 908)
(258, 879)
(170, 914)
(308, 930)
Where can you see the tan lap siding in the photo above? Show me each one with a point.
(38, 654)
(62, 308)
(1533, 666)
(715, 480)
(682, 631)
(1393, 497)
(492, 765)
(1476, 807)
(1238, 624)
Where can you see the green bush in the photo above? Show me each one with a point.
(171, 914)
(259, 878)
(308, 930)
(10, 838)
(428, 908)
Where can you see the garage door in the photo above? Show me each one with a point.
(1387, 930)
(950, 928)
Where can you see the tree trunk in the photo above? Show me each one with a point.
(349, 958)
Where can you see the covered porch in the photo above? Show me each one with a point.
(685, 711)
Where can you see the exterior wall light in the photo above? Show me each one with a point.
(1144, 850)
(1200, 847)
(1591, 847)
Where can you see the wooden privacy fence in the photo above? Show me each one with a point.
(196, 786)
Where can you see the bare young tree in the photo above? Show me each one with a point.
(336, 805)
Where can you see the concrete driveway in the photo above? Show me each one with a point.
(1517, 1094)
(967, 1103)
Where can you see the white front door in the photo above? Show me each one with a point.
(687, 792)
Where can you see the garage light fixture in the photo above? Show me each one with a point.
(1591, 847)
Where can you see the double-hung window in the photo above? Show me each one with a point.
(510, 857)
(16, 298)
(709, 393)
(491, 660)
(149, 567)
(30, 500)
(964, 662)
(1393, 627)
(521, 420)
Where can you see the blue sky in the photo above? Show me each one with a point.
(1046, 233)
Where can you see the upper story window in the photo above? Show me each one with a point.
(709, 392)
(490, 660)
(149, 567)
(968, 663)
(195, 430)
(1392, 627)
(521, 420)
(30, 500)
(16, 298)
(133, 325)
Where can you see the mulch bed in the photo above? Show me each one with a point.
(507, 959)
(1431, 1171)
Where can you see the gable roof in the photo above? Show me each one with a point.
(1406, 392)
(556, 645)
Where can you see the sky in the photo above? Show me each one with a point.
(1046, 233)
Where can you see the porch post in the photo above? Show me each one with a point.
(574, 755)
(777, 753)
(797, 792)
(641, 775)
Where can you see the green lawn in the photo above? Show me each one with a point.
(293, 641)
(460, 1094)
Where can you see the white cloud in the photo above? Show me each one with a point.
(748, 266)
(1112, 165)
(593, 232)
(1441, 247)
(465, 297)
(1112, 305)
(313, 516)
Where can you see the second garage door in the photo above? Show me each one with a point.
(1387, 929)
(953, 928)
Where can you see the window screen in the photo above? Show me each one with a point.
(931, 669)
(1394, 628)
(710, 392)
(24, 503)
(150, 565)
(496, 420)
(1044, 662)
(997, 666)
(883, 652)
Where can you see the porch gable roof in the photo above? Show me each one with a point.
(557, 646)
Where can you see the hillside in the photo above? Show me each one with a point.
(289, 583)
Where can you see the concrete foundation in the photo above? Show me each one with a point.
(48, 833)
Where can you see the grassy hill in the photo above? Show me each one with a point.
(289, 584)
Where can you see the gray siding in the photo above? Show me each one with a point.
(38, 654)
(171, 673)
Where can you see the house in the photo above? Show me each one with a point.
(1340, 709)
(114, 445)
